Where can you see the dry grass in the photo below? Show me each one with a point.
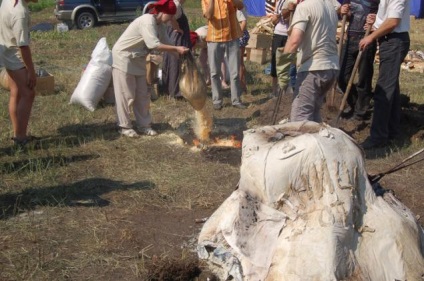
(87, 204)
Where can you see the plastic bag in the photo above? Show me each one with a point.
(95, 79)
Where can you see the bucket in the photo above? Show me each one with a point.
(62, 27)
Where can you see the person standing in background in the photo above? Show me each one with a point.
(361, 92)
(223, 34)
(244, 40)
(203, 54)
(179, 34)
(144, 34)
(391, 30)
(15, 55)
(280, 19)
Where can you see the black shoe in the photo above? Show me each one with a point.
(217, 106)
(239, 106)
(369, 143)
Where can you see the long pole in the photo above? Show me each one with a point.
(339, 50)
(352, 78)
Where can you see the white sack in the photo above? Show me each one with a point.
(305, 210)
(95, 79)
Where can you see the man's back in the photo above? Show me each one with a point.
(318, 20)
(223, 26)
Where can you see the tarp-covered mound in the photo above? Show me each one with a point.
(305, 210)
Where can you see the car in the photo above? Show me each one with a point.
(87, 13)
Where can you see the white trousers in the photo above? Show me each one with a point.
(131, 91)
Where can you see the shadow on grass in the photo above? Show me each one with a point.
(69, 136)
(85, 193)
(42, 163)
(411, 129)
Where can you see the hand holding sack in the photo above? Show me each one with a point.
(283, 63)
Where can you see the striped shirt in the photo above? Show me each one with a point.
(270, 6)
(223, 25)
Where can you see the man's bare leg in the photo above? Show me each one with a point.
(20, 102)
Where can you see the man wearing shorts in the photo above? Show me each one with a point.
(15, 56)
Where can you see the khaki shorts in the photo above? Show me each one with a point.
(11, 58)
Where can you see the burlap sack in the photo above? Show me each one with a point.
(152, 64)
(192, 84)
(4, 79)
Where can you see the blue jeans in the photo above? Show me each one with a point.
(216, 52)
(386, 120)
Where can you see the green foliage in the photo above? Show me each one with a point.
(193, 4)
(40, 5)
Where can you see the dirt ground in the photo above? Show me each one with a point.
(406, 184)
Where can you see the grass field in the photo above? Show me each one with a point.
(87, 204)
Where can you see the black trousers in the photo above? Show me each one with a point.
(361, 92)
(386, 119)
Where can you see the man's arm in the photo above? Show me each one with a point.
(294, 40)
(210, 6)
(386, 27)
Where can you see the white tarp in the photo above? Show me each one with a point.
(304, 210)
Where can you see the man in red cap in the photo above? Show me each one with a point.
(144, 34)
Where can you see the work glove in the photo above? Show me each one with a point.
(283, 62)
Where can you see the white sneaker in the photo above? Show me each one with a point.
(147, 131)
(128, 133)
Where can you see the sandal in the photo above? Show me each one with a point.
(23, 142)
(147, 131)
(128, 133)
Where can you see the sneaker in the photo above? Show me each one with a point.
(239, 106)
(217, 106)
(147, 131)
(128, 133)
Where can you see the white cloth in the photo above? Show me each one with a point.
(318, 49)
(398, 9)
(304, 210)
(141, 36)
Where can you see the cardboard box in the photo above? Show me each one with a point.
(260, 41)
(256, 55)
(45, 85)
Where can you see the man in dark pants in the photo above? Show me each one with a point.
(361, 93)
(392, 26)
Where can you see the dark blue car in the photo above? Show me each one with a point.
(86, 13)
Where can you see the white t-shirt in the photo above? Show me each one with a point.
(14, 32)
(318, 20)
(141, 36)
(398, 9)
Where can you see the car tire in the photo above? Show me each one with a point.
(85, 19)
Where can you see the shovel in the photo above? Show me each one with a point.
(352, 78)
(281, 92)
(339, 49)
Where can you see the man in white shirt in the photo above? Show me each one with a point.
(144, 34)
(391, 29)
(313, 32)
